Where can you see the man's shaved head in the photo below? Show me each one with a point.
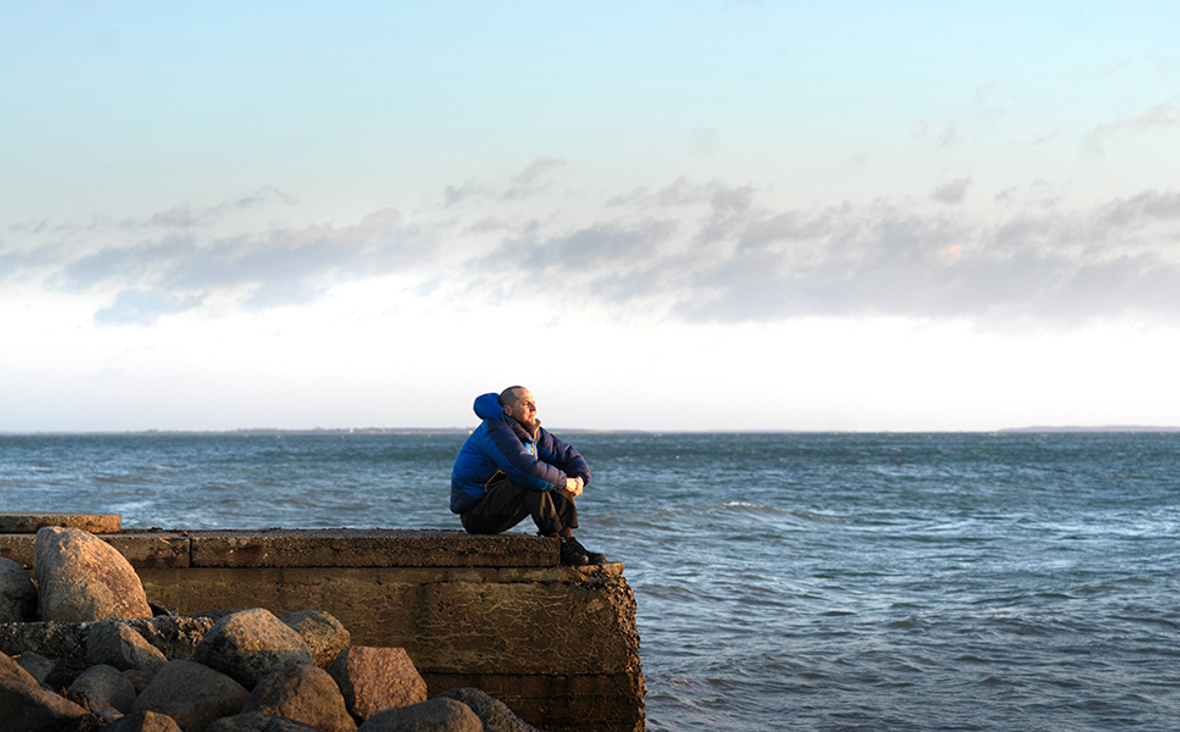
(512, 395)
(519, 404)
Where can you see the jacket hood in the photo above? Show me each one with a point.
(487, 406)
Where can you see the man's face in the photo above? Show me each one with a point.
(524, 410)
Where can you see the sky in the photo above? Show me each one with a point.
(700, 215)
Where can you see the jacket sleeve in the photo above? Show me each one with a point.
(555, 452)
(519, 465)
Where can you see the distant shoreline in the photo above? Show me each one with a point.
(277, 432)
(1108, 428)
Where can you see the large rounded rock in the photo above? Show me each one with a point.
(436, 715)
(18, 595)
(192, 694)
(250, 644)
(325, 636)
(495, 714)
(258, 722)
(143, 722)
(104, 684)
(38, 666)
(83, 578)
(114, 644)
(374, 679)
(304, 693)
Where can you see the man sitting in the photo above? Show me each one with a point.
(510, 468)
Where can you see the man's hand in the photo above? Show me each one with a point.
(573, 487)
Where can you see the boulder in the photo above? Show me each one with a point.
(103, 712)
(115, 644)
(18, 595)
(83, 578)
(175, 636)
(38, 666)
(104, 684)
(192, 694)
(325, 636)
(27, 707)
(250, 644)
(495, 714)
(436, 715)
(143, 722)
(304, 693)
(139, 678)
(68, 643)
(375, 679)
(258, 722)
(65, 643)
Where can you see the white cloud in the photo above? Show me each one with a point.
(1163, 115)
(952, 192)
(698, 252)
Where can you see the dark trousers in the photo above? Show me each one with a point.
(506, 504)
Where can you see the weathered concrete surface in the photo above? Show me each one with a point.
(367, 548)
(313, 548)
(29, 523)
(477, 619)
(68, 643)
(140, 548)
(557, 644)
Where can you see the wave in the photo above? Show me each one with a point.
(762, 508)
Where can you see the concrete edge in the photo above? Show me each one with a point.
(155, 548)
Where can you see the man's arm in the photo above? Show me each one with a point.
(555, 452)
(520, 465)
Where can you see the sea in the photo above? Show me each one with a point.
(788, 581)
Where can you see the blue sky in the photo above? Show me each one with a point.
(711, 215)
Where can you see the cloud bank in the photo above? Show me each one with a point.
(688, 251)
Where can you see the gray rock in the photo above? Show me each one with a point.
(103, 712)
(139, 678)
(83, 578)
(375, 679)
(192, 694)
(18, 594)
(250, 644)
(174, 636)
(38, 666)
(325, 636)
(304, 693)
(143, 722)
(495, 714)
(65, 643)
(104, 684)
(26, 707)
(258, 722)
(115, 644)
(436, 715)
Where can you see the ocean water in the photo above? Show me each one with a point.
(934, 582)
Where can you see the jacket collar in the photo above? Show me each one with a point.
(521, 431)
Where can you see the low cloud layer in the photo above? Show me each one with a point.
(695, 252)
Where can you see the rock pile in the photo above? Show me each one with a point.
(113, 668)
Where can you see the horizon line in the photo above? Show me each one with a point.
(247, 431)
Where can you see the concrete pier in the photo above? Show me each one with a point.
(557, 644)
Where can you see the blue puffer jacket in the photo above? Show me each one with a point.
(539, 462)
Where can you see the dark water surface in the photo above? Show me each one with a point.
(785, 581)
